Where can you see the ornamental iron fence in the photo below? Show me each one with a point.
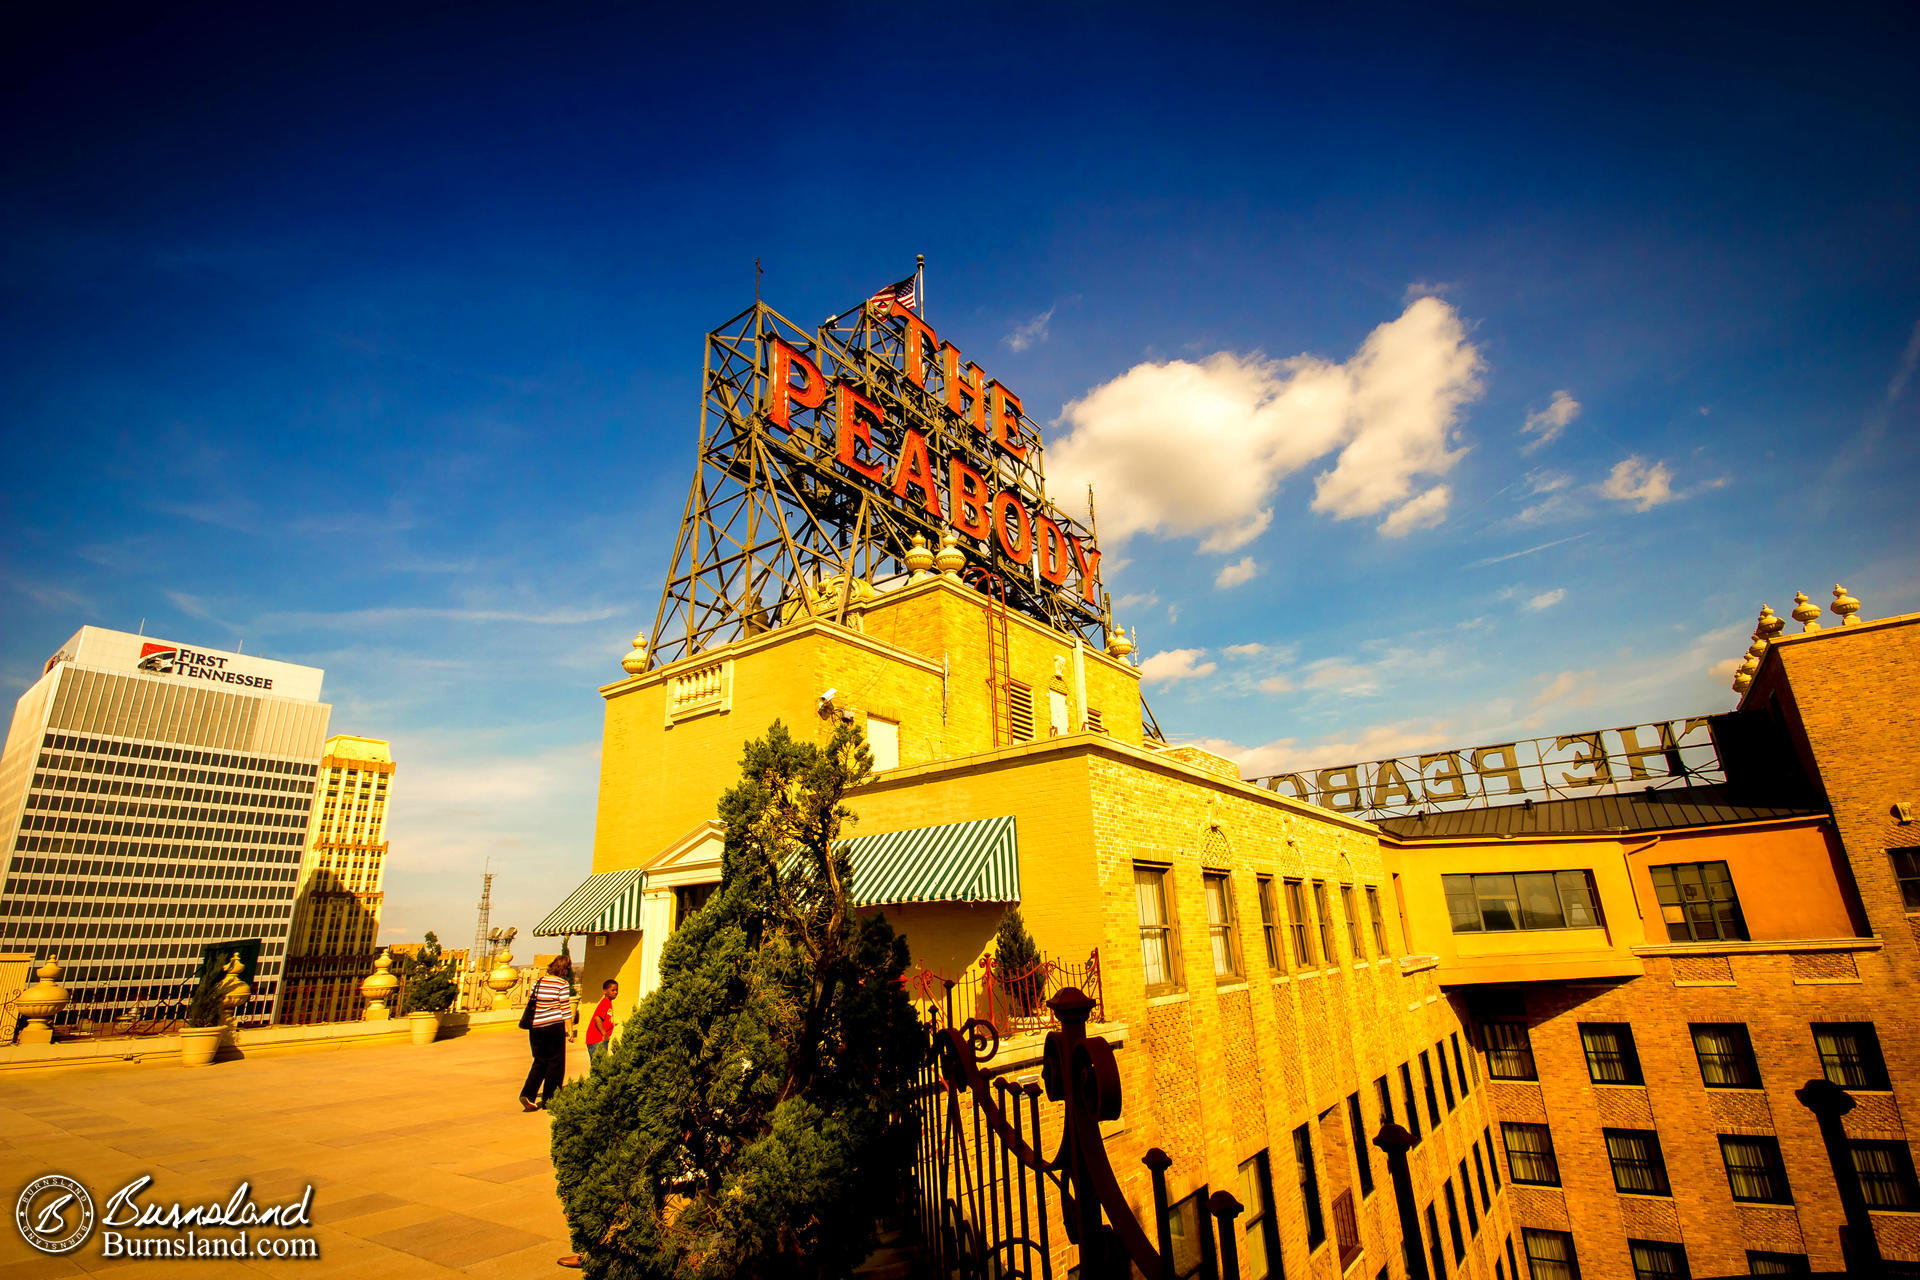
(1013, 1002)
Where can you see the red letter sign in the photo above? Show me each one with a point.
(1006, 414)
(916, 472)
(969, 387)
(1089, 562)
(967, 500)
(920, 340)
(782, 363)
(1053, 551)
(1002, 501)
(852, 431)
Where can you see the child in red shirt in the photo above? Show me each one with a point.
(600, 1026)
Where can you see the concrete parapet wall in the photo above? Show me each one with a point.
(79, 1053)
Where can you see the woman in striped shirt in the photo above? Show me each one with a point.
(552, 1002)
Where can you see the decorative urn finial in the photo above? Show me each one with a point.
(1117, 643)
(502, 978)
(1770, 625)
(1805, 612)
(379, 985)
(41, 1003)
(636, 661)
(951, 558)
(1845, 606)
(919, 559)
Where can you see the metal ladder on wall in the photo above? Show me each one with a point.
(999, 674)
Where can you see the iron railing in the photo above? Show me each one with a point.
(1011, 1002)
(991, 1204)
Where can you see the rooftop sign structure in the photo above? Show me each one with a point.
(825, 457)
(1667, 753)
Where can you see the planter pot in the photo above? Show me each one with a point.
(424, 1026)
(198, 1045)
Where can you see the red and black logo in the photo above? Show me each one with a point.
(158, 658)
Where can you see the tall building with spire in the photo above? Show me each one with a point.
(336, 922)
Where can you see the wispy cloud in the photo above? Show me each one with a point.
(1547, 599)
(350, 618)
(1174, 665)
(1249, 650)
(1545, 425)
(1233, 575)
(1644, 484)
(1423, 512)
(1526, 551)
(1030, 333)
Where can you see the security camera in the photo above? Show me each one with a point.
(826, 699)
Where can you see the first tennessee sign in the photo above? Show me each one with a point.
(957, 447)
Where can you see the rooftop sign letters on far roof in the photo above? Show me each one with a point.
(828, 454)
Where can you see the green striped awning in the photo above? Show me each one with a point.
(957, 862)
(606, 903)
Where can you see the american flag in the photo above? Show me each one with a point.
(899, 293)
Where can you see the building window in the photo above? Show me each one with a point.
(1513, 1267)
(883, 740)
(1260, 1236)
(1096, 722)
(1550, 1255)
(1346, 1229)
(1697, 902)
(1509, 1050)
(1726, 1055)
(1020, 711)
(1906, 869)
(1269, 927)
(1466, 1194)
(1380, 921)
(1850, 1054)
(1610, 1055)
(1185, 1221)
(1323, 910)
(1426, 1079)
(1220, 930)
(1530, 1154)
(1655, 1260)
(689, 898)
(1353, 923)
(1638, 1168)
(1159, 944)
(1762, 1263)
(1480, 1172)
(1433, 1249)
(1297, 921)
(1362, 1158)
(1503, 903)
(1446, 1080)
(1413, 1107)
(1886, 1175)
(1453, 1223)
(1754, 1169)
(1459, 1063)
(1309, 1187)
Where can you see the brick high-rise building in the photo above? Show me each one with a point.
(336, 923)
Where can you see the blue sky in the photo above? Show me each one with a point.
(376, 345)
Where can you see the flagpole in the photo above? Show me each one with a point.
(920, 283)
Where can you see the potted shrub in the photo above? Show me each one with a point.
(429, 993)
(206, 1021)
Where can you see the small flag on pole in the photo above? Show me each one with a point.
(900, 294)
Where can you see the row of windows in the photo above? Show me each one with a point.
(176, 755)
(1755, 1172)
(172, 808)
(60, 824)
(49, 892)
(1160, 950)
(96, 856)
(1697, 901)
(272, 795)
(169, 911)
(1849, 1053)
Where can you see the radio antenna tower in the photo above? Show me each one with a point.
(479, 952)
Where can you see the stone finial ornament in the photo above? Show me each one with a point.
(501, 980)
(1805, 612)
(951, 559)
(379, 985)
(40, 1003)
(919, 559)
(1845, 606)
(636, 661)
(1770, 625)
(1118, 645)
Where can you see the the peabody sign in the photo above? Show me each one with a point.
(1636, 756)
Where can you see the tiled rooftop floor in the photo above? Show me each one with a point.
(421, 1160)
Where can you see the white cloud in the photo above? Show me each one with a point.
(1248, 650)
(1547, 599)
(1550, 421)
(1340, 675)
(1276, 684)
(1423, 512)
(1286, 755)
(1137, 600)
(1644, 484)
(1175, 664)
(1576, 688)
(1232, 575)
(1526, 551)
(1186, 449)
(1031, 333)
(1547, 481)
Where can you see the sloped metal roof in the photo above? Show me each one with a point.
(1666, 810)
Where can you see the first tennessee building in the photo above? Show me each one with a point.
(869, 540)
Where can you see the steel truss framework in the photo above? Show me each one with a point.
(772, 515)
